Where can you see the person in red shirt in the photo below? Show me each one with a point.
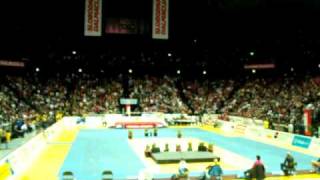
(257, 162)
(257, 171)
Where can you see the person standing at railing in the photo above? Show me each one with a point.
(2, 136)
(290, 128)
(5, 137)
(8, 138)
(266, 123)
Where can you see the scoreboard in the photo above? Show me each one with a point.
(128, 101)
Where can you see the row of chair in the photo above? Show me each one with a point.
(68, 175)
(108, 175)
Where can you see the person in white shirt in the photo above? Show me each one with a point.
(183, 169)
(290, 128)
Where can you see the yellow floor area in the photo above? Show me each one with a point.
(47, 165)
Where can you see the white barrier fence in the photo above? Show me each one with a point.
(246, 127)
(315, 145)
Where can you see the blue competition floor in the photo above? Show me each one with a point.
(97, 150)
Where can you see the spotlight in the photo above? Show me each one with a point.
(204, 72)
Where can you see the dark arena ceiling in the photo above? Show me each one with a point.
(204, 33)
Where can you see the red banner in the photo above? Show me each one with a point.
(307, 120)
(92, 24)
(160, 19)
(259, 66)
(122, 26)
(11, 63)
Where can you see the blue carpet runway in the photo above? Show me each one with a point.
(97, 150)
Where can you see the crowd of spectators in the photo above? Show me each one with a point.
(11, 106)
(283, 99)
(36, 103)
(94, 95)
(207, 97)
(41, 101)
(158, 95)
(280, 100)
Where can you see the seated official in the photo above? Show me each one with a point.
(81, 120)
(215, 171)
(155, 149)
(155, 132)
(183, 169)
(257, 171)
(147, 151)
(289, 165)
(104, 123)
(202, 147)
(316, 165)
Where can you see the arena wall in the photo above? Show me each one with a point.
(254, 129)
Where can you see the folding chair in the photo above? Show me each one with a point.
(107, 175)
(67, 175)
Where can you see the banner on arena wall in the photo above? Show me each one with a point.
(315, 145)
(259, 66)
(11, 63)
(125, 26)
(160, 19)
(240, 128)
(301, 141)
(307, 119)
(93, 14)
